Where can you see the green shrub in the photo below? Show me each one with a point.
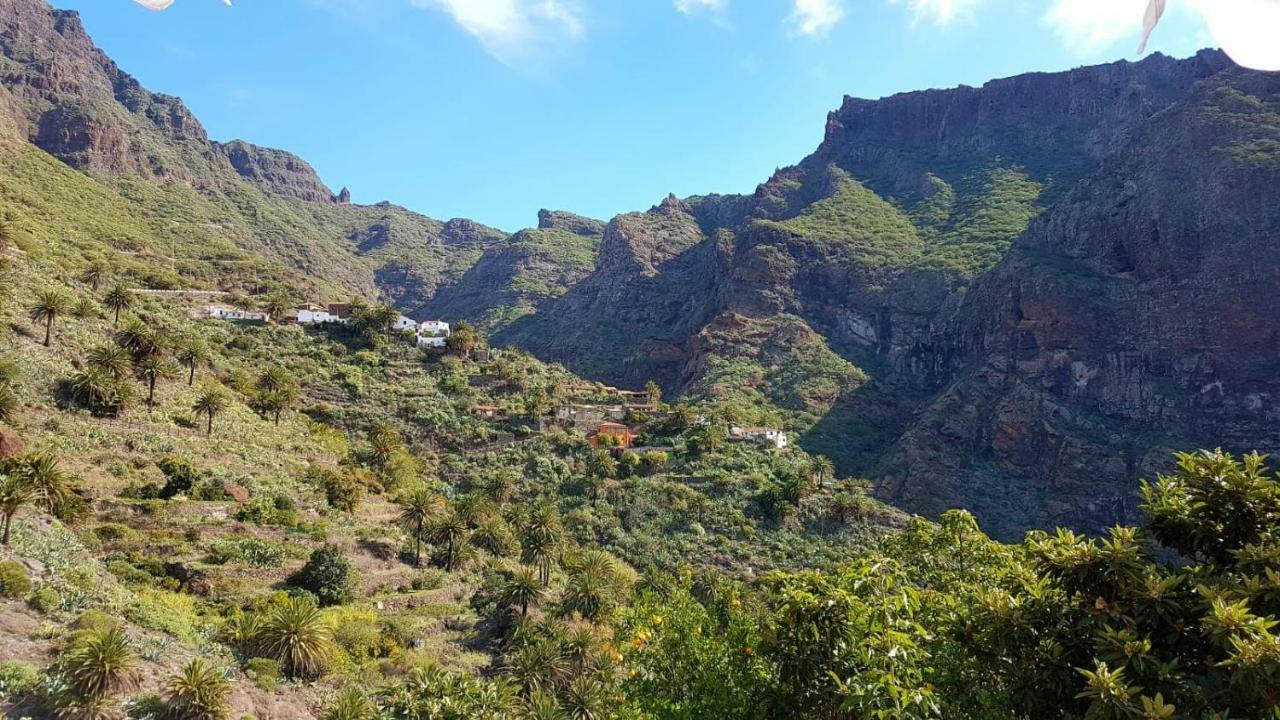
(328, 575)
(45, 599)
(179, 474)
(255, 552)
(18, 679)
(264, 672)
(14, 580)
(115, 532)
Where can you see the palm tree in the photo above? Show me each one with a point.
(522, 589)
(823, 469)
(276, 305)
(654, 392)
(594, 585)
(99, 391)
(297, 636)
(118, 298)
(15, 492)
(151, 369)
(540, 540)
(586, 698)
(273, 378)
(95, 273)
(448, 530)
(101, 663)
(275, 402)
(48, 305)
(417, 508)
(139, 338)
(199, 692)
(112, 360)
(191, 354)
(212, 401)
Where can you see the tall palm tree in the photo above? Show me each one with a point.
(824, 470)
(151, 369)
(199, 692)
(211, 402)
(298, 637)
(48, 305)
(417, 508)
(192, 354)
(118, 298)
(449, 530)
(276, 305)
(96, 271)
(101, 663)
(15, 493)
(540, 539)
(522, 589)
(276, 402)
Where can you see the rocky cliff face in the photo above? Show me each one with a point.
(278, 171)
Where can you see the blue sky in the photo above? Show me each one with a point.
(492, 109)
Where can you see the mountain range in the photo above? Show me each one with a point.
(1018, 298)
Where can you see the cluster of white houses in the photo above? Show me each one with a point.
(429, 333)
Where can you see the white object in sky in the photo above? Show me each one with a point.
(1248, 30)
(162, 4)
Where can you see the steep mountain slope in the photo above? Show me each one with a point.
(1135, 316)
(181, 194)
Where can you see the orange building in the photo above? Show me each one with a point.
(612, 435)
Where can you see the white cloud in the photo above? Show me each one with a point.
(940, 12)
(163, 4)
(1091, 25)
(519, 33)
(689, 7)
(815, 18)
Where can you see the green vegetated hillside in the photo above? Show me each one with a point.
(207, 519)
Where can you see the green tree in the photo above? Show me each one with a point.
(653, 391)
(823, 470)
(540, 539)
(192, 355)
(118, 298)
(328, 575)
(151, 369)
(112, 360)
(449, 532)
(276, 306)
(199, 692)
(212, 402)
(95, 273)
(99, 391)
(522, 588)
(594, 587)
(36, 480)
(417, 509)
(48, 306)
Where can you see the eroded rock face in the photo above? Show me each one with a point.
(1133, 318)
(278, 170)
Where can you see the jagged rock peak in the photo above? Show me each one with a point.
(577, 224)
(343, 197)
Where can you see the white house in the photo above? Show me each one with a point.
(310, 314)
(768, 437)
(433, 333)
(404, 323)
(227, 312)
